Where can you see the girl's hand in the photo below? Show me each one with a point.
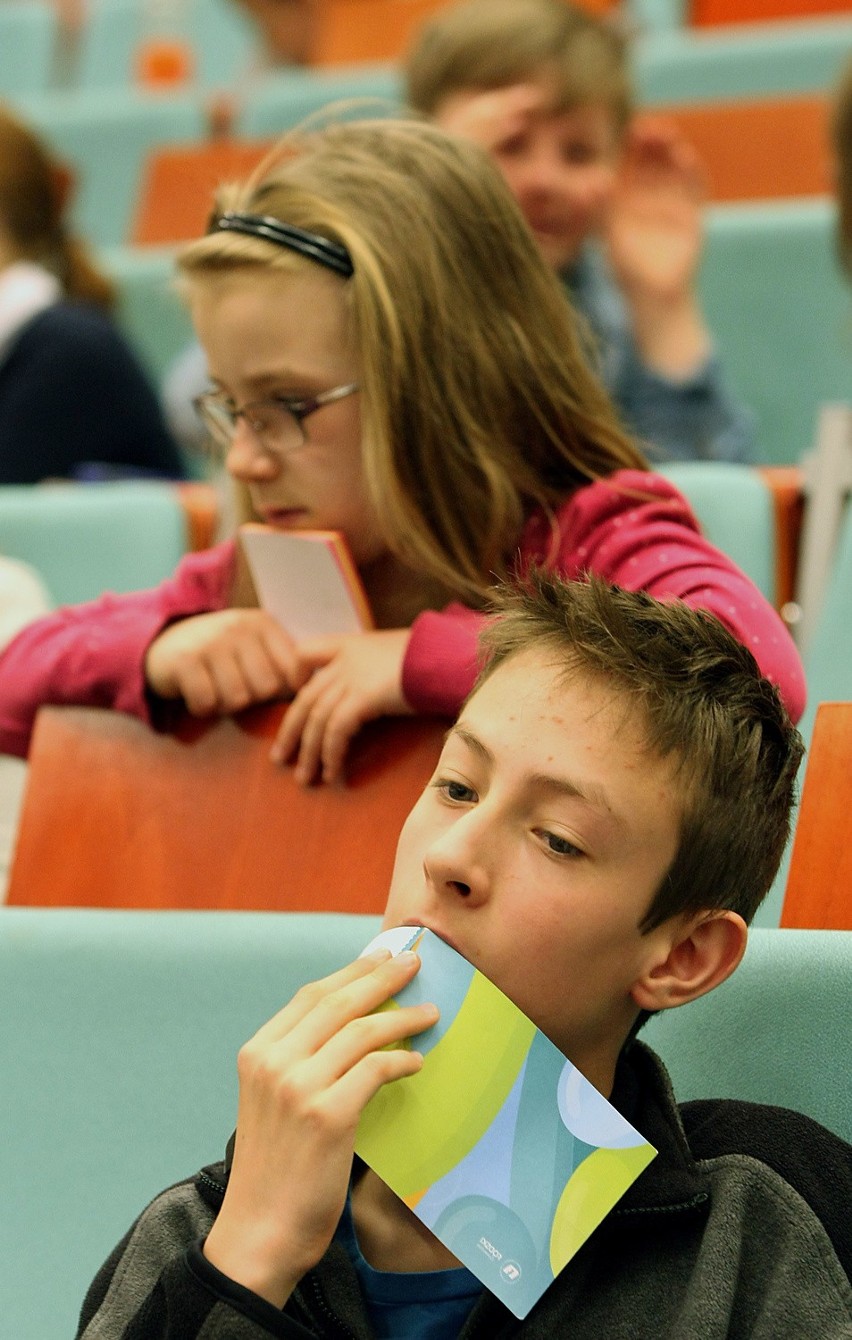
(355, 678)
(305, 1078)
(224, 661)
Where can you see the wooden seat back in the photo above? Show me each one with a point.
(118, 815)
(711, 13)
(178, 184)
(818, 895)
(767, 148)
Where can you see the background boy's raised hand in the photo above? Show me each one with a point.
(654, 237)
(493, 116)
(305, 1077)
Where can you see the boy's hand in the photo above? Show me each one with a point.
(305, 1078)
(495, 116)
(224, 661)
(654, 237)
(355, 678)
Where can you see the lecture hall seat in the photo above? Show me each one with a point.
(119, 1074)
(85, 538)
(818, 893)
(710, 13)
(767, 148)
(178, 184)
(200, 818)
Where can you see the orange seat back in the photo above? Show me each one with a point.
(376, 30)
(818, 895)
(709, 13)
(178, 185)
(759, 148)
(118, 815)
(349, 31)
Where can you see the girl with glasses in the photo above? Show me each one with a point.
(392, 359)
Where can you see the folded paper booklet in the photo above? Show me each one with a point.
(307, 580)
(499, 1145)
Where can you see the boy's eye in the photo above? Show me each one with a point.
(560, 846)
(455, 791)
(579, 154)
(515, 144)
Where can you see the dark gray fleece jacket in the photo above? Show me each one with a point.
(740, 1229)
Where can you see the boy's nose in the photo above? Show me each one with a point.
(457, 865)
(543, 174)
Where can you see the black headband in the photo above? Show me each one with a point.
(330, 254)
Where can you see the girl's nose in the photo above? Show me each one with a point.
(247, 460)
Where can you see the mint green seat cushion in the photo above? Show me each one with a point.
(87, 538)
(778, 1031)
(120, 1032)
(736, 512)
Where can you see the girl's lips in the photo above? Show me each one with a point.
(282, 517)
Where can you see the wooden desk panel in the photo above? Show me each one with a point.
(117, 815)
(819, 886)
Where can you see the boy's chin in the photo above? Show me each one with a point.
(559, 253)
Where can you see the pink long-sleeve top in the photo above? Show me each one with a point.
(634, 529)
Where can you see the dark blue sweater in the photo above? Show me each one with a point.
(71, 392)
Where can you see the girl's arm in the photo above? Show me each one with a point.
(638, 532)
(92, 655)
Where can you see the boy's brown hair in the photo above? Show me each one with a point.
(706, 705)
(489, 44)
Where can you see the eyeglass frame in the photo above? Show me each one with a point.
(298, 409)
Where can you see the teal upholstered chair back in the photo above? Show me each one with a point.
(735, 61)
(104, 136)
(87, 538)
(117, 1061)
(778, 1031)
(152, 316)
(285, 99)
(118, 1039)
(736, 512)
(222, 40)
(28, 33)
(780, 314)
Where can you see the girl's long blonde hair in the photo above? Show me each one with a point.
(478, 400)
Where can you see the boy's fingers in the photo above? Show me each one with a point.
(389, 974)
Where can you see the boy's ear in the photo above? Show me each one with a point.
(696, 956)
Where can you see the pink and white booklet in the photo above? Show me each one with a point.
(499, 1145)
(307, 580)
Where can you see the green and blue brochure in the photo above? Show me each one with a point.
(499, 1145)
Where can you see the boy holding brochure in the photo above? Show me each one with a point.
(606, 815)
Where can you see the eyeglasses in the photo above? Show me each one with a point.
(276, 422)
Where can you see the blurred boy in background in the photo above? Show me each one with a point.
(615, 207)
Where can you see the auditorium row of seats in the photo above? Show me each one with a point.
(102, 43)
(144, 166)
(103, 133)
(120, 1027)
